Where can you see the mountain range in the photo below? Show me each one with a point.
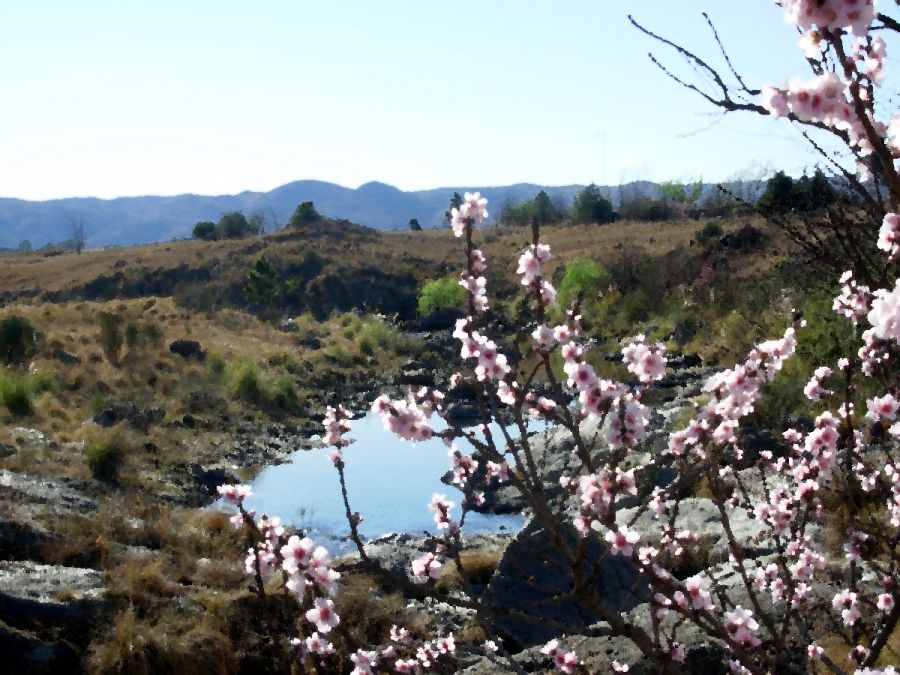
(125, 221)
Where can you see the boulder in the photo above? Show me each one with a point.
(187, 349)
(533, 575)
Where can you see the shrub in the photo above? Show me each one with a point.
(646, 208)
(441, 294)
(205, 230)
(712, 230)
(581, 275)
(17, 339)
(16, 393)
(244, 381)
(104, 456)
(111, 336)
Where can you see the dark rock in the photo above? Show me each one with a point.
(533, 574)
(64, 356)
(27, 654)
(310, 341)
(418, 378)
(210, 479)
(463, 391)
(441, 319)
(187, 349)
(106, 418)
(21, 541)
(463, 414)
(189, 422)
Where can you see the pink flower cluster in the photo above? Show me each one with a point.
(889, 235)
(647, 362)
(823, 99)
(735, 392)
(814, 389)
(409, 418)
(564, 661)
(853, 302)
(336, 424)
(492, 365)
(530, 269)
(855, 15)
(441, 508)
(741, 627)
(234, 494)
(472, 211)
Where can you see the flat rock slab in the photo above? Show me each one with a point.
(32, 594)
(61, 494)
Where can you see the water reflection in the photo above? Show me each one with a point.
(390, 482)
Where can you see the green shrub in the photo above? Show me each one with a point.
(581, 275)
(244, 381)
(16, 393)
(441, 294)
(104, 456)
(17, 340)
(284, 394)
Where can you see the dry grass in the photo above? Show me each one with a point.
(479, 566)
(420, 253)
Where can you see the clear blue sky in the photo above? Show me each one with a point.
(127, 98)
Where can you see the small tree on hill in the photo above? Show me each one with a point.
(261, 282)
(304, 214)
(205, 230)
(414, 225)
(234, 225)
(455, 202)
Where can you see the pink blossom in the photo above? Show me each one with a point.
(234, 494)
(323, 615)
(364, 661)
(426, 564)
(296, 553)
(622, 540)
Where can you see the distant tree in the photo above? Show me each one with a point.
(455, 202)
(591, 206)
(304, 214)
(541, 208)
(205, 230)
(78, 235)
(682, 193)
(25, 246)
(233, 225)
(784, 195)
(545, 210)
(646, 208)
(414, 225)
(257, 222)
